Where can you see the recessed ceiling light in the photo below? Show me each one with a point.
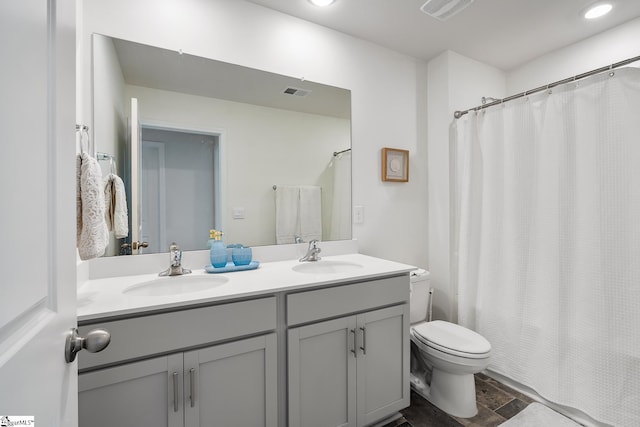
(321, 3)
(598, 10)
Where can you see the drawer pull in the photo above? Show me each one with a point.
(364, 340)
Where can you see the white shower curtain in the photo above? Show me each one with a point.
(547, 205)
(341, 207)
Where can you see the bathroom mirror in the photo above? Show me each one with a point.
(214, 140)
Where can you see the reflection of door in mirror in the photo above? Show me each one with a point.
(153, 218)
(177, 187)
(133, 190)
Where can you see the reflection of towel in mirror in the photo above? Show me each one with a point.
(286, 214)
(310, 213)
(92, 234)
(298, 213)
(115, 204)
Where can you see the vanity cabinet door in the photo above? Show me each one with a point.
(322, 374)
(135, 394)
(383, 363)
(233, 384)
(351, 371)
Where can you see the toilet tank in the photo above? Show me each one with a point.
(420, 283)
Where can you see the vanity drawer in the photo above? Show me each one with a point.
(310, 306)
(146, 336)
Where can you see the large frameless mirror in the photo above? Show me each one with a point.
(203, 144)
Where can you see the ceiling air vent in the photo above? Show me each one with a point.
(295, 91)
(444, 9)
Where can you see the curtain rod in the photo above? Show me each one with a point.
(335, 153)
(459, 114)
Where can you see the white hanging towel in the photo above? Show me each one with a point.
(92, 234)
(115, 204)
(310, 213)
(286, 213)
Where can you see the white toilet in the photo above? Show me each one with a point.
(447, 353)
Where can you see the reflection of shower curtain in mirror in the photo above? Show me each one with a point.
(341, 208)
(548, 215)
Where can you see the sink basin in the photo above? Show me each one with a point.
(326, 267)
(175, 285)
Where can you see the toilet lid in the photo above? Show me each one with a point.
(449, 336)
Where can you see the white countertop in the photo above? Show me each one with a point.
(104, 298)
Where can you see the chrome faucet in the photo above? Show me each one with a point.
(312, 252)
(175, 269)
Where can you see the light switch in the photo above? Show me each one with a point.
(237, 213)
(358, 214)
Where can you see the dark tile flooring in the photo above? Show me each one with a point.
(496, 404)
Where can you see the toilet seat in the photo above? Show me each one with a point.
(452, 339)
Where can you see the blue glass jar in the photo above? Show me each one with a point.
(218, 252)
(241, 255)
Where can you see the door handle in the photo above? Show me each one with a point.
(364, 340)
(139, 245)
(192, 386)
(175, 392)
(95, 341)
(353, 331)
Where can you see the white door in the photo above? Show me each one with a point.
(37, 217)
(134, 140)
(152, 206)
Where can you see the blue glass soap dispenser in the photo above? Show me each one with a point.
(218, 251)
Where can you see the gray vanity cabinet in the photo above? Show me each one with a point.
(228, 384)
(204, 366)
(342, 351)
(351, 370)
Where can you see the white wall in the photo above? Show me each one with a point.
(455, 83)
(108, 128)
(274, 137)
(384, 85)
(617, 44)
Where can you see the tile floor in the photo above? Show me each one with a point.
(496, 404)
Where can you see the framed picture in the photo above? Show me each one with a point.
(395, 165)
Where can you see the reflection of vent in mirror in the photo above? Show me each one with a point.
(444, 9)
(296, 91)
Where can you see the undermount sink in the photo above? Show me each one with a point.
(175, 285)
(326, 267)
